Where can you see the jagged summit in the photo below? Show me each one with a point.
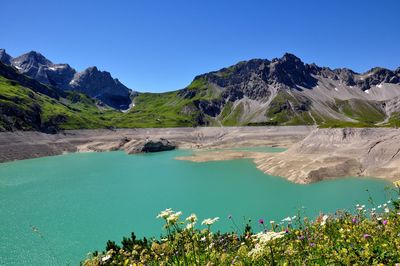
(101, 85)
(97, 84)
(4, 57)
(31, 58)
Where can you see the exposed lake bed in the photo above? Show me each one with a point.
(313, 154)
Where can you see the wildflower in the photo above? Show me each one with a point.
(262, 240)
(271, 222)
(312, 244)
(384, 205)
(203, 238)
(189, 226)
(379, 218)
(165, 214)
(379, 206)
(209, 221)
(389, 201)
(294, 217)
(384, 222)
(354, 220)
(261, 221)
(287, 219)
(373, 209)
(324, 218)
(174, 217)
(366, 236)
(387, 210)
(106, 258)
(300, 237)
(192, 218)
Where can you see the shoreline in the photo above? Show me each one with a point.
(312, 154)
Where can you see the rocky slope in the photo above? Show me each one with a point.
(286, 91)
(281, 91)
(96, 84)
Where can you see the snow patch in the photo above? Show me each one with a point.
(379, 85)
(55, 67)
(336, 89)
(367, 91)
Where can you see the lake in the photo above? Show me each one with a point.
(54, 210)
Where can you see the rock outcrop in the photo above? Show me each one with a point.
(4, 57)
(151, 145)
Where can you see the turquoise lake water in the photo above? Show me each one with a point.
(55, 210)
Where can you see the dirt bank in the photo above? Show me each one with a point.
(25, 145)
(327, 154)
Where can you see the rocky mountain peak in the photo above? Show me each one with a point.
(4, 57)
(93, 82)
(31, 58)
(291, 72)
(101, 85)
(288, 57)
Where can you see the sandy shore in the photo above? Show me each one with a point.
(313, 154)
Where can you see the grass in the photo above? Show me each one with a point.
(24, 108)
(232, 117)
(367, 112)
(361, 237)
(288, 110)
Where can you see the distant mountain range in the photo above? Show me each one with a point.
(283, 91)
(91, 81)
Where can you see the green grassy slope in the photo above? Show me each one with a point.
(26, 104)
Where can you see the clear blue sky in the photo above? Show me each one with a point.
(161, 45)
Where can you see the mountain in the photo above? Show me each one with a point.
(286, 91)
(281, 91)
(100, 85)
(97, 84)
(4, 57)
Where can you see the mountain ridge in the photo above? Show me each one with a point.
(281, 91)
(101, 86)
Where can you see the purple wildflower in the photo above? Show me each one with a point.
(366, 236)
(354, 220)
(261, 221)
(384, 222)
(300, 237)
(312, 245)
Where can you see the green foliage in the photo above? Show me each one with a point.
(233, 117)
(394, 119)
(367, 112)
(363, 237)
(285, 109)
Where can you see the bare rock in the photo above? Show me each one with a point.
(151, 145)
